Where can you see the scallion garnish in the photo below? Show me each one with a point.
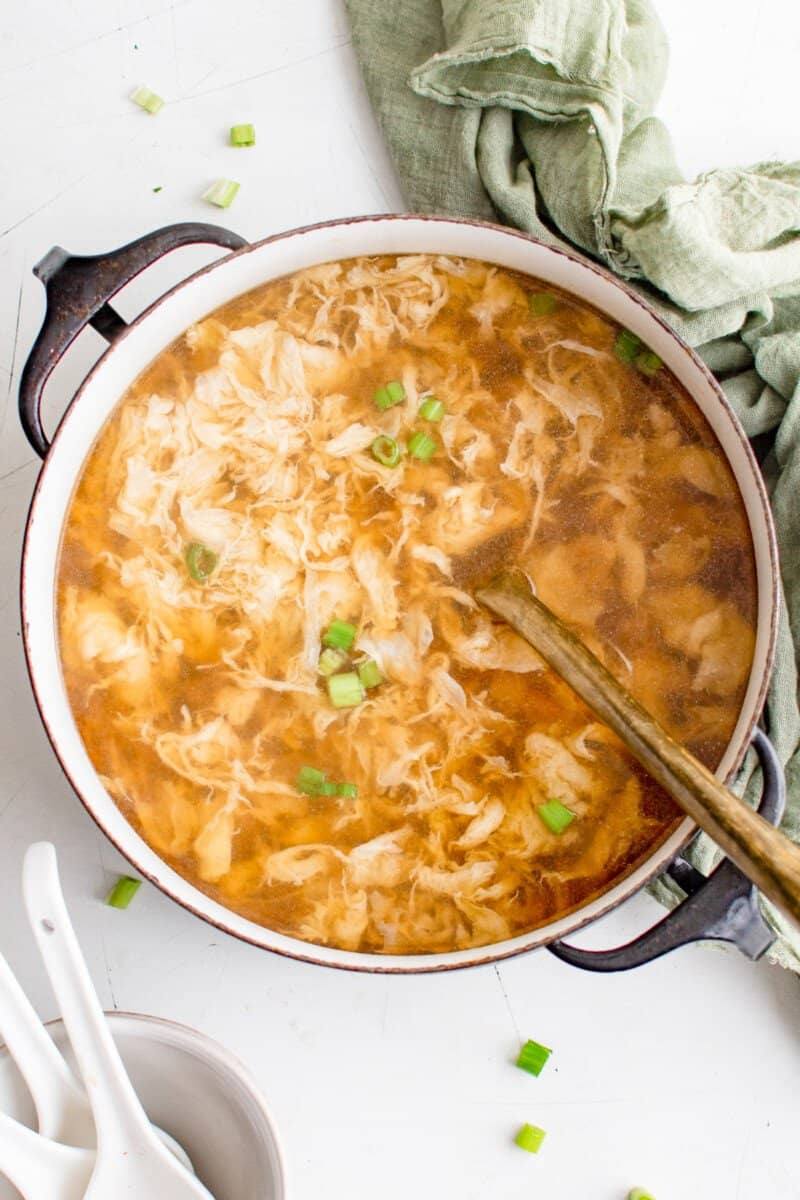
(345, 690)
(200, 561)
(340, 635)
(370, 673)
(532, 1057)
(627, 346)
(556, 815)
(331, 661)
(648, 363)
(222, 193)
(243, 135)
(431, 409)
(123, 891)
(530, 1138)
(310, 781)
(149, 101)
(389, 395)
(422, 446)
(348, 791)
(540, 304)
(640, 1194)
(386, 451)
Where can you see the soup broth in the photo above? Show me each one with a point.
(241, 556)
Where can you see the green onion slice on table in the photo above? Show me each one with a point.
(243, 135)
(530, 1138)
(222, 193)
(151, 102)
(532, 1057)
(123, 891)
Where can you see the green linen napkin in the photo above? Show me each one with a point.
(538, 113)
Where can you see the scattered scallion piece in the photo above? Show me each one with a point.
(158, 189)
(348, 791)
(386, 451)
(310, 781)
(431, 409)
(151, 102)
(331, 661)
(200, 561)
(243, 135)
(222, 193)
(627, 346)
(648, 363)
(532, 1057)
(123, 891)
(422, 446)
(370, 673)
(540, 304)
(530, 1138)
(328, 789)
(556, 815)
(640, 1194)
(345, 690)
(340, 635)
(389, 395)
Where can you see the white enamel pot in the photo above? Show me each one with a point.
(78, 291)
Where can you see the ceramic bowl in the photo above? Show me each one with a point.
(194, 1089)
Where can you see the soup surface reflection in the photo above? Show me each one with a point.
(266, 636)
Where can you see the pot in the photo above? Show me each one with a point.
(78, 292)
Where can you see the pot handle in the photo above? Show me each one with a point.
(722, 907)
(78, 290)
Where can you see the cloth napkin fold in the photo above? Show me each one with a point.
(539, 114)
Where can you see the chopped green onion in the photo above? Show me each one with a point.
(627, 346)
(200, 560)
(345, 690)
(340, 635)
(386, 451)
(530, 1138)
(541, 304)
(328, 789)
(149, 101)
(431, 409)
(310, 781)
(243, 135)
(556, 815)
(222, 193)
(391, 394)
(347, 790)
(532, 1057)
(158, 189)
(640, 1194)
(370, 673)
(331, 661)
(422, 446)
(123, 891)
(648, 363)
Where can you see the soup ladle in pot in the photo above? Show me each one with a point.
(765, 855)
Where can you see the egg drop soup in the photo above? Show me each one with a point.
(267, 634)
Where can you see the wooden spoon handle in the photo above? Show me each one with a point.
(763, 853)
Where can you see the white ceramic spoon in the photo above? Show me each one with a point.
(62, 1109)
(40, 1169)
(130, 1161)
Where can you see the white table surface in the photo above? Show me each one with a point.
(683, 1076)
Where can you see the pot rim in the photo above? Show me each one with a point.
(637, 877)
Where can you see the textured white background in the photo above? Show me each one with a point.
(684, 1076)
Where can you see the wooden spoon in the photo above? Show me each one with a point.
(763, 853)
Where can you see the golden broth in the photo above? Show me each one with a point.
(199, 700)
